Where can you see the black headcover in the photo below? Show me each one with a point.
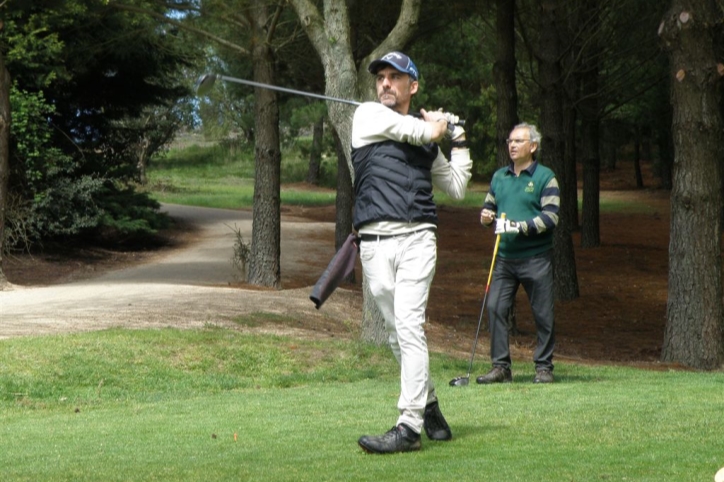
(341, 266)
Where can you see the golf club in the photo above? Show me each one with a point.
(464, 381)
(206, 83)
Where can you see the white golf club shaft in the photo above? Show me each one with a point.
(207, 80)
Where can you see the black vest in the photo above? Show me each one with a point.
(393, 182)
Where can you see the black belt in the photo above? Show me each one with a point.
(379, 237)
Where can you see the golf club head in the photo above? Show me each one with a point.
(205, 84)
(460, 381)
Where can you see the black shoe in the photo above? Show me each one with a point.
(543, 375)
(496, 375)
(436, 427)
(397, 439)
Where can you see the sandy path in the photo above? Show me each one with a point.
(188, 287)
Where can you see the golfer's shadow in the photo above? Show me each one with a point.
(465, 431)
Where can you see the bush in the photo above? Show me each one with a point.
(55, 195)
(128, 217)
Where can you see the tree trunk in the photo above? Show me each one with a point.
(331, 37)
(694, 335)
(264, 261)
(373, 323)
(646, 153)
(315, 154)
(142, 161)
(569, 202)
(344, 202)
(504, 76)
(590, 126)
(552, 151)
(572, 93)
(578, 41)
(637, 159)
(507, 110)
(608, 146)
(5, 120)
(590, 223)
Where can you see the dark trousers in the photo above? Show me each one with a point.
(536, 276)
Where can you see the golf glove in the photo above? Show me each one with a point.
(503, 226)
(451, 118)
(454, 132)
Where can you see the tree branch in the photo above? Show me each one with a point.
(182, 25)
(402, 32)
(274, 22)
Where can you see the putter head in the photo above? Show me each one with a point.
(205, 84)
(460, 381)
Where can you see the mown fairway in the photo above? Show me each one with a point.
(214, 404)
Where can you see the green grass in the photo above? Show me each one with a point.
(622, 206)
(216, 176)
(165, 404)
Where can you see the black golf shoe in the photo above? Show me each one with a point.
(398, 439)
(496, 375)
(436, 427)
(543, 375)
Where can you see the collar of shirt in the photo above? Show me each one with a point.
(530, 169)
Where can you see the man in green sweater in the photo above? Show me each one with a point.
(528, 194)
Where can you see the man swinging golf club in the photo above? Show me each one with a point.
(529, 195)
(396, 162)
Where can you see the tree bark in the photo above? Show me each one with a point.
(608, 145)
(590, 127)
(694, 335)
(569, 202)
(504, 76)
(637, 159)
(5, 120)
(571, 96)
(552, 152)
(590, 220)
(507, 109)
(344, 202)
(264, 263)
(315, 154)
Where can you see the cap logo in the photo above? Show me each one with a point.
(392, 55)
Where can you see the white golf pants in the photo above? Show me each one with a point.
(399, 271)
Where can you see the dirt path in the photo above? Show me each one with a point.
(619, 316)
(189, 287)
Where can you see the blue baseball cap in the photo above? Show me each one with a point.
(398, 61)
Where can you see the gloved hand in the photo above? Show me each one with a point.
(451, 118)
(454, 132)
(503, 226)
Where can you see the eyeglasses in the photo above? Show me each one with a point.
(516, 141)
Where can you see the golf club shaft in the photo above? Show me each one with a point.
(206, 82)
(284, 89)
(485, 298)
